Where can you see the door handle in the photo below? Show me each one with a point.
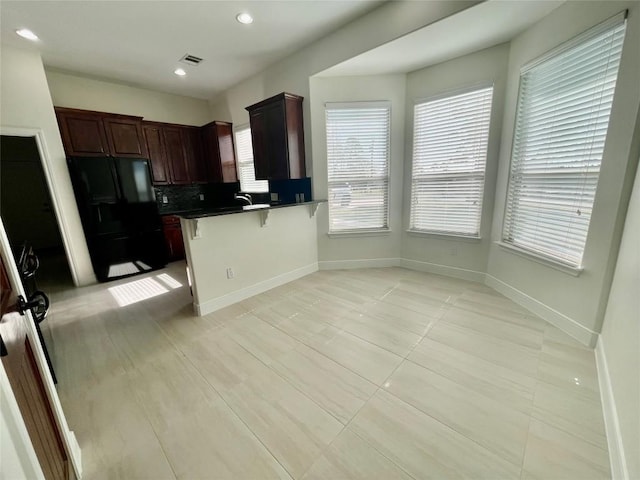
(38, 304)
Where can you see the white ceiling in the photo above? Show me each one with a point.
(140, 42)
(481, 26)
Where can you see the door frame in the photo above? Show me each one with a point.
(68, 437)
(60, 213)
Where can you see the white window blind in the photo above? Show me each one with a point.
(244, 154)
(358, 166)
(561, 126)
(450, 137)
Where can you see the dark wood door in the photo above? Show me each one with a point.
(27, 384)
(83, 134)
(125, 137)
(195, 158)
(176, 155)
(157, 154)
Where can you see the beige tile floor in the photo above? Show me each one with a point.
(367, 374)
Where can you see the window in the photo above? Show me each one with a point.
(561, 124)
(246, 172)
(450, 137)
(358, 166)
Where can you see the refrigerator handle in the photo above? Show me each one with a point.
(115, 166)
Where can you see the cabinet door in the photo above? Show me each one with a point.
(176, 156)
(211, 153)
(295, 138)
(195, 158)
(259, 140)
(155, 147)
(227, 153)
(125, 137)
(83, 134)
(277, 142)
(173, 237)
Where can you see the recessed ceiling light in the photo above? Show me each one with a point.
(179, 71)
(244, 18)
(26, 33)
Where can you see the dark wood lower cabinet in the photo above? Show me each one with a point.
(173, 237)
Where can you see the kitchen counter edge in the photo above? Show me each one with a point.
(216, 212)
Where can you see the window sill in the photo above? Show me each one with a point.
(444, 236)
(359, 233)
(561, 267)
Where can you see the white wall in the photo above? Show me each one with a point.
(261, 257)
(75, 91)
(27, 107)
(576, 304)
(621, 335)
(462, 257)
(390, 21)
(332, 251)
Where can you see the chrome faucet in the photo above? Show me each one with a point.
(243, 196)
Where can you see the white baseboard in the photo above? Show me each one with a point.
(446, 270)
(611, 423)
(365, 263)
(566, 324)
(255, 289)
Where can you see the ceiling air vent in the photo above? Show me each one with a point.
(191, 60)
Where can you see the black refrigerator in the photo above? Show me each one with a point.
(119, 215)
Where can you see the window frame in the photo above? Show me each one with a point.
(538, 256)
(441, 96)
(236, 131)
(386, 179)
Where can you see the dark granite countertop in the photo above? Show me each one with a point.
(217, 211)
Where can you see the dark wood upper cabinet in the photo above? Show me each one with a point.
(96, 134)
(176, 155)
(125, 137)
(157, 154)
(195, 156)
(219, 152)
(82, 133)
(277, 134)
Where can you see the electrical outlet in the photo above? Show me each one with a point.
(165, 199)
(230, 273)
(202, 197)
(274, 197)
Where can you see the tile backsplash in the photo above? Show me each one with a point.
(179, 198)
(292, 190)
